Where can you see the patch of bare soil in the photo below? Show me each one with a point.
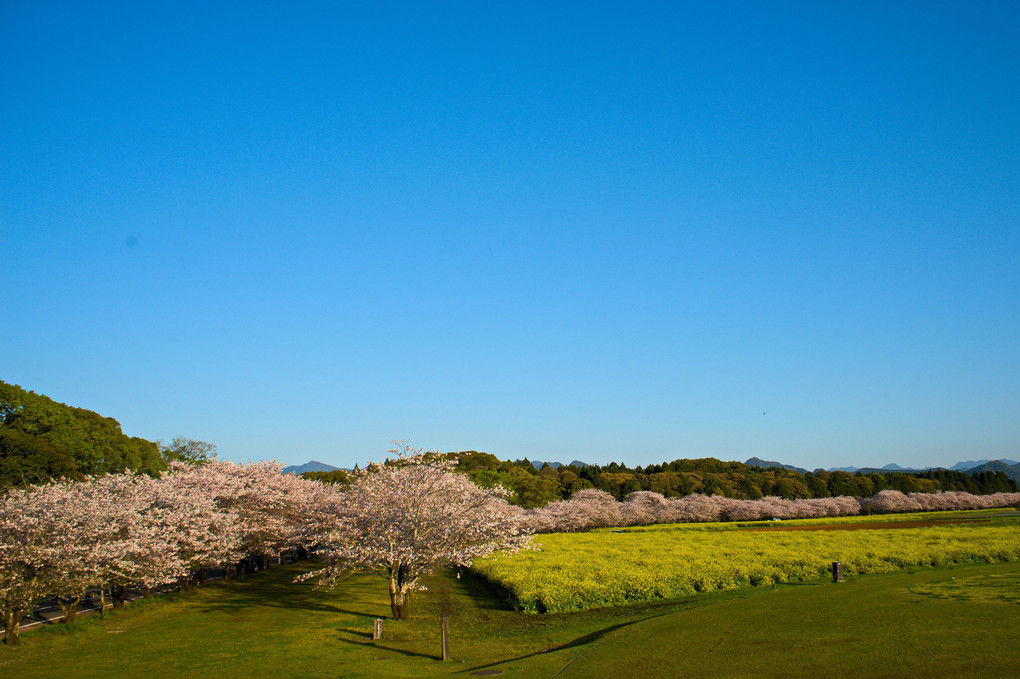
(867, 526)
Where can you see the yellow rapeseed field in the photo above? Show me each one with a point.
(605, 568)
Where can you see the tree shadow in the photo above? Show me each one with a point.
(276, 588)
(483, 594)
(378, 646)
(598, 636)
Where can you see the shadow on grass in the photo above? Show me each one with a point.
(482, 594)
(597, 637)
(645, 610)
(380, 647)
(276, 588)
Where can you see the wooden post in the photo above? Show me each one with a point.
(837, 571)
(446, 636)
(377, 629)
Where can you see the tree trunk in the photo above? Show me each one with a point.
(200, 575)
(399, 604)
(12, 626)
(102, 602)
(118, 594)
(69, 605)
(400, 593)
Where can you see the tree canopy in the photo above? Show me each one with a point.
(41, 438)
(708, 476)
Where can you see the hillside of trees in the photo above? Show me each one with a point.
(709, 476)
(42, 439)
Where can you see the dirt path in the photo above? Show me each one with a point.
(884, 525)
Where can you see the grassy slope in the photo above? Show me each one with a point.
(959, 623)
(920, 624)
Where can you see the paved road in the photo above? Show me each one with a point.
(48, 611)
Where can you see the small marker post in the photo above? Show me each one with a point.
(446, 636)
(837, 571)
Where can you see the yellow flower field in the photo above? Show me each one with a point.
(573, 571)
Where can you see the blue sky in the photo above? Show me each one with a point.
(598, 231)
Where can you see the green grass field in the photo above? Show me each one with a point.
(959, 622)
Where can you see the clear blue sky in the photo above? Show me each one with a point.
(599, 231)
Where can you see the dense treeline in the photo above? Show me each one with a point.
(336, 476)
(707, 476)
(41, 439)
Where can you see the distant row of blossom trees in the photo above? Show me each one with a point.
(591, 508)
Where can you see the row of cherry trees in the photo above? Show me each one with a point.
(593, 508)
(67, 537)
(401, 520)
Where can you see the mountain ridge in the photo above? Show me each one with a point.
(310, 466)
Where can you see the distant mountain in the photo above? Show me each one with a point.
(313, 466)
(971, 467)
(556, 465)
(758, 462)
(843, 469)
(538, 464)
(1010, 470)
(971, 464)
(893, 468)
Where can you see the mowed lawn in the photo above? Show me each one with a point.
(962, 622)
(958, 622)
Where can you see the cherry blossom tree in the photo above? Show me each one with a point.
(405, 519)
(269, 507)
(26, 553)
(208, 530)
(137, 538)
(72, 530)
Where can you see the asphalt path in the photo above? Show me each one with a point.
(49, 612)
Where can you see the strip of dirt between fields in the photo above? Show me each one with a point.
(865, 526)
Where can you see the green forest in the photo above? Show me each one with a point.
(535, 487)
(41, 439)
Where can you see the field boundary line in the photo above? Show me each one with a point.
(588, 650)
